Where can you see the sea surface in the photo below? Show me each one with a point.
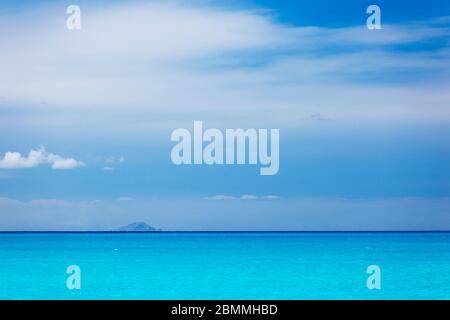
(225, 265)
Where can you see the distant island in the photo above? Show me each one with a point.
(137, 227)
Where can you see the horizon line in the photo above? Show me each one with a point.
(232, 231)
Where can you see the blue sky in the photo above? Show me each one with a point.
(363, 114)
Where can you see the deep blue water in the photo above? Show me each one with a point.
(225, 265)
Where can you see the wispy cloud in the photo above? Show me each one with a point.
(224, 61)
(285, 214)
(111, 162)
(37, 157)
(6, 175)
(243, 197)
(125, 199)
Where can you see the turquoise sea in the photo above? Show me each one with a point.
(225, 265)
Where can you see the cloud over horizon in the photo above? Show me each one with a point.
(183, 214)
(243, 197)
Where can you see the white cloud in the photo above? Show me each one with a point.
(249, 197)
(47, 202)
(113, 161)
(35, 158)
(61, 163)
(220, 197)
(271, 197)
(221, 62)
(91, 202)
(14, 160)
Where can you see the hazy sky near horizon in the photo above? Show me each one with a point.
(363, 114)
